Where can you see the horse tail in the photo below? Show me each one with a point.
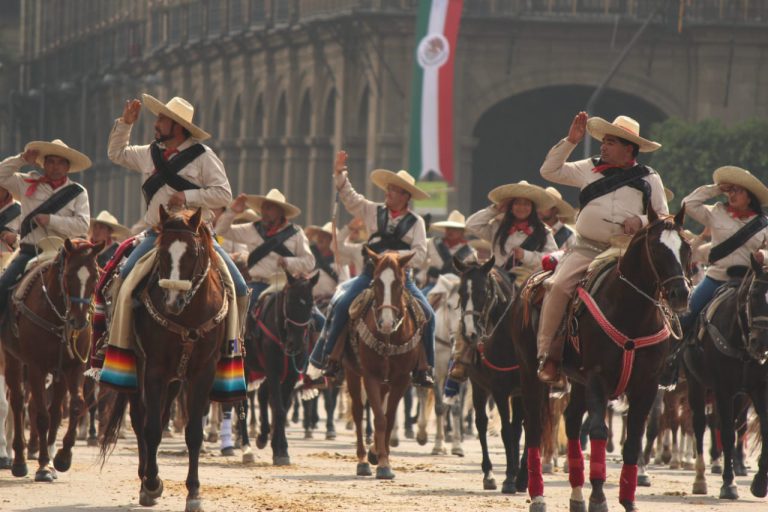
(753, 430)
(114, 413)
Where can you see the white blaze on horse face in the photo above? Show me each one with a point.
(387, 277)
(176, 250)
(83, 274)
(672, 240)
(469, 320)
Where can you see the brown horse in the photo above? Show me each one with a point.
(634, 302)
(384, 347)
(48, 330)
(180, 336)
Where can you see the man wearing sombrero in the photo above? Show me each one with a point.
(105, 228)
(177, 170)
(332, 274)
(51, 204)
(616, 193)
(442, 249)
(739, 229)
(557, 216)
(395, 227)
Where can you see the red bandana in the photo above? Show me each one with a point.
(521, 226)
(604, 167)
(395, 214)
(743, 214)
(44, 179)
(274, 229)
(169, 152)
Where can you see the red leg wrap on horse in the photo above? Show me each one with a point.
(575, 463)
(535, 478)
(628, 483)
(718, 441)
(597, 459)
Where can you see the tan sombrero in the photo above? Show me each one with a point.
(669, 194)
(540, 198)
(77, 161)
(565, 211)
(479, 244)
(178, 109)
(623, 127)
(326, 228)
(106, 218)
(276, 197)
(401, 179)
(744, 179)
(455, 220)
(246, 216)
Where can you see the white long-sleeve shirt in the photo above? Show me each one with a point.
(357, 205)
(722, 225)
(326, 286)
(302, 261)
(602, 218)
(207, 171)
(69, 222)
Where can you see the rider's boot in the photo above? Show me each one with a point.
(242, 312)
(550, 359)
(423, 378)
(461, 360)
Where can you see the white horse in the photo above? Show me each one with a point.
(444, 298)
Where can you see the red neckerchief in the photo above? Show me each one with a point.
(604, 167)
(275, 229)
(520, 226)
(741, 215)
(169, 152)
(395, 214)
(326, 253)
(450, 245)
(34, 182)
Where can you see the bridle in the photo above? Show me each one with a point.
(493, 295)
(751, 323)
(396, 310)
(202, 263)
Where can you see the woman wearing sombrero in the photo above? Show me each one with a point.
(106, 228)
(739, 229)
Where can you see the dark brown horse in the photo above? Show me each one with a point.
(635, 299)
(180, 335)
(730, 360)
(48, 330)
(486, 299)
(383, 349)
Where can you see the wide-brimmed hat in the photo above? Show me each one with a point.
(401, 179)
(537, 195)
(668, 194)
(178, 109)
(326, 228)
(480, 244)
(77, 161)
(623, 127)
(743, 178)
(106, 218)
(276, 197)
(455, 220)
(246, 216)
(565, 211)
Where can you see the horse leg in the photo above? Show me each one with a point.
(227, 446)
(279, 402)
(511, 452)
(609, 420)
(93, 411)
(652, 427)
(422, 418)
(252, 419)
(197, 405)
(457, 436)
(42, 421)
(330, 397)
(573, 414)
(597, 400)
(479, 399)
(155, 396)
(376, 397)
(390, 400)
(5, 461)
(308, 414)
(407, 407)
(759, 487)
(74, 381)
(368, 423)
(356, 405)
(137, 424)
(518, 413)
(263, 396)
(742, 405)
(13, 378)
(724, 402)
(640, 403)
(242, 424)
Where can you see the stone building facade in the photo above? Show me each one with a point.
(283, 84)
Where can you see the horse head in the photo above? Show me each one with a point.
(184, 254)
(78, 275)
(478, 295)
(660, 254)
(297, 307)
(389, 289)
(752, 307)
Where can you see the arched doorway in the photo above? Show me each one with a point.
(515, 135)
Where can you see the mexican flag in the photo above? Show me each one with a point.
(437, 28)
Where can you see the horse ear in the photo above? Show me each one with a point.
(403, 260)
(315, 278)
(680, 217)
(194, 220)
(488, 265)
(652, 215)
(459, 264)
(68, 247)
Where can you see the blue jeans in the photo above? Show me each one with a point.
(241, 288)
(339, 316)
(12, 274)
(700, 297)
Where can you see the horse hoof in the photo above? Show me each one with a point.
(717, 469)
(489, 484)
(62, 461)
(349, 426)
(330, 435)
(439, 451)
(44, 475)
(145, 500)
(6, 463)
(19, 470)
(448, 437)
(282, 460)
(229, 451)
(577, 506)
(363, 469)
(689, 466)
(92, 441)
(194, 505)
(666, 456)
(729, 492)
(759, 487)
(409, 433)
(307, 434)
(629, 506)
(674, 465)
(213, 437)
(538, 505)
(547, 468)
(699, 487)
(740, 471)
(458, 451)
(508, 487)
(248, 456)
(261, 442)
(152, 493)
(394, 442)
(643, 481)
(421, 438)
(384, 473)
(601, 506)
(373, 458)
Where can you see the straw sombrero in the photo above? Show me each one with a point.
(743, 178)
(246, 216)
(106, 218)
(77, 161)
(401, 179)
(479, 244)
(623, 127)
(326, 228)
(565, 211)
(455, 220)
(540, 198)
(276, 197)
(669, 194)
(178, 109)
